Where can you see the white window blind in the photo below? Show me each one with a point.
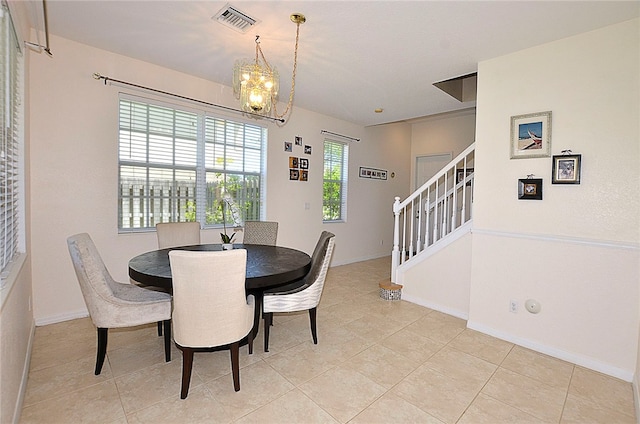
(176, 165)
(10, 149)
(335, 179)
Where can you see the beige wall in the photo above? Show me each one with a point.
(442, 280)
(444, 133)
(74, 172)
(576, 251)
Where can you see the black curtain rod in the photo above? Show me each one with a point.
(255, 115)
(357, 140)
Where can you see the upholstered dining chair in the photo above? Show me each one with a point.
(174, 234)
(260, 232)
(112, 304)
(210, 307)
(304, 294)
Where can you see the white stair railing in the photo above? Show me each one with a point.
(434, 210)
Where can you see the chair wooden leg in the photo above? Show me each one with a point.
(187, 365)
(312, 318)
(235, 364)
(167, 339)
(159, 328)
(102, 349)
(268, 320)
(250, 341)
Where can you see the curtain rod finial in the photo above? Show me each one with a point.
(96, 76)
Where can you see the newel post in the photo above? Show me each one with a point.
(395, 254)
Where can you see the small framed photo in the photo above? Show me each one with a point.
(566, 169)
(293, 162)
(304, 163)
(288, 146)
(307, 149)
(530, 189)
(461, 174)
(304, 175)
(294, 174)
(298, 140)
(531, 135)
(373, 173)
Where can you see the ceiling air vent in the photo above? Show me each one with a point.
(235, 19)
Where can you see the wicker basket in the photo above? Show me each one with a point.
(390, 291)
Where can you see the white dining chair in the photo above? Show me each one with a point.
(210, 306)
(174, 234)
(112, 304)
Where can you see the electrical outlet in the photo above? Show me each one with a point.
(513, 306)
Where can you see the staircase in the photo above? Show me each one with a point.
(440, 208)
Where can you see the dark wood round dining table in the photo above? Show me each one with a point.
(267, 267)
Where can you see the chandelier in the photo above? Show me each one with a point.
(256, 83)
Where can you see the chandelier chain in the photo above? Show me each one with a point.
(293, 77)
(264, 59)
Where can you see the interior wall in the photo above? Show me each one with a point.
(74, 167)
(577, 250)
(442, 280)
(444, 133)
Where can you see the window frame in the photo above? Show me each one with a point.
(197, 139)
(342, 182)
(12, 219)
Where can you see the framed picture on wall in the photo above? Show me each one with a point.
(530, 189)
(566, 169)
(531, 135)
(461, 174)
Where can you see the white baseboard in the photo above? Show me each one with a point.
(25, 376)
(361, 259)
(636, 394)
(622, 374)
(436, 307)
(67, 316)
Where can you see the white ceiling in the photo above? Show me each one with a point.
(354, 56)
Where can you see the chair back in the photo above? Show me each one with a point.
(307, 295)
(209, 300)
(174, 234)
(260, 232)
(319, 266)
(96, 283)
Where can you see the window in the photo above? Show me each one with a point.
(11, 237)
(334, 186)
(178, 165)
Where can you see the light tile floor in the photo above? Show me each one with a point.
(376, 361)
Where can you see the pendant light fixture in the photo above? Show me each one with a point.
(256, 83)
